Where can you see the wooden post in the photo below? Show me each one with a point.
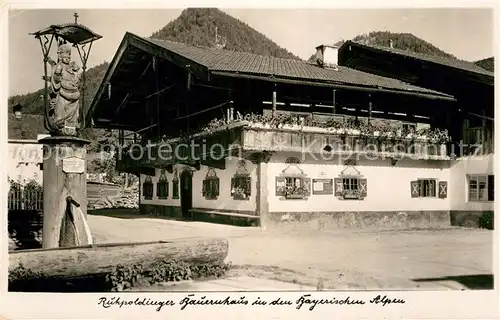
(369, 107)
(274, 100)
(64, 175)
(262, 204)
(334, 102)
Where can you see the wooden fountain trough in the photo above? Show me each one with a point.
(103, 258)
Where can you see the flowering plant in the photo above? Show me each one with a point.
(383, 131)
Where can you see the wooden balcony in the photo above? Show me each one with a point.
(243, 137)
(320, 140)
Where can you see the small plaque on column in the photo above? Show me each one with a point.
(73, 165)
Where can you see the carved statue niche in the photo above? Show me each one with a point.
(62, 116)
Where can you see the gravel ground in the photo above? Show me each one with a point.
(344, 259)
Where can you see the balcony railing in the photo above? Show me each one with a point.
(320, 140)
(245, 136)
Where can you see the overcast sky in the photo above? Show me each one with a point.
(465, 33)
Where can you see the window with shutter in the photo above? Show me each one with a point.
(240, 187)
(350, 185)
(241, 183)
(162, 186)
(211, 185)
(148, 188)
(426, 188)
(293, 183)
(351, 188)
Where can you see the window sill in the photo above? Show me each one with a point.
(293, 198)
(241, 198)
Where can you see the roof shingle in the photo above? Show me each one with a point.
(253, 64)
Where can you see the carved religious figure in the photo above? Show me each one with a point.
(63, 109)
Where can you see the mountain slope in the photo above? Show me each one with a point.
(403, 41)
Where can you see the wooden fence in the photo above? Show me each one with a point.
(25, 199)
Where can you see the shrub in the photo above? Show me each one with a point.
(121, 278)
(486, 220)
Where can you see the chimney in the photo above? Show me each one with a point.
(327, 56)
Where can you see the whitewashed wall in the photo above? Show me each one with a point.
(482, 165)
(165, 202)
(224, 201)
(388, 187)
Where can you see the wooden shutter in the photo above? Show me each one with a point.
(443, 189)
(215, 185)
(414, 189)
(491, 188)
(248, 182)
(204, 188)
(306, 184)
(338, 187)
(280, 186)
(362, 188)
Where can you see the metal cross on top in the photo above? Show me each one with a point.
(76, 17)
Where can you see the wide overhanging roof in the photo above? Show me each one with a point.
(204, 62)
(461, 65)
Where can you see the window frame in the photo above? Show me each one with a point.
(211, 188)
(476, 179)
(162, 187)
(244, 182)
(148, 193)
(421, 187)
(352, 191)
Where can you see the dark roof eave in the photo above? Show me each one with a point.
(443, 96)
(107, 77)
(151, 48)
(488, 78)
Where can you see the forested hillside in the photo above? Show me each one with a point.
(403, 41)
(197, 26)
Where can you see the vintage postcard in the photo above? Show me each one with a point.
(249, 161)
